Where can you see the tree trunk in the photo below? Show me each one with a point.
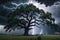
(26, 31)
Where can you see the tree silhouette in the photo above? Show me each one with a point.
(47, 2)
(28, 16)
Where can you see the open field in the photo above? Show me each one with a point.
(50, 37)
(43, 37)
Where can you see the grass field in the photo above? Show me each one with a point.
(43, 37)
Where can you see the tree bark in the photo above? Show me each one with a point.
(26, 33)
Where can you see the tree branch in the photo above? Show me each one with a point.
(40, 21)
(32, 25)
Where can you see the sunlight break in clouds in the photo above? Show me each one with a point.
(38, 5)
(1, 27)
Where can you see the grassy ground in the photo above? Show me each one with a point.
(44, 37)
(50, 37)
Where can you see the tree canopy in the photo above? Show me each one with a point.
(28, 16)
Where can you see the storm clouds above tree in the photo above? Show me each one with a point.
(47, 2)
(7, 1)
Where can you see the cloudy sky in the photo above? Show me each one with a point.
(9, 7)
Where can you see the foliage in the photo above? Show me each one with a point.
(27, 16)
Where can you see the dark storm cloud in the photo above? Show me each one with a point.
(3, 15)
(7, 8)
(55, 9)
(57, 3)
(6, 1)
(47, 2)
(21, 1)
